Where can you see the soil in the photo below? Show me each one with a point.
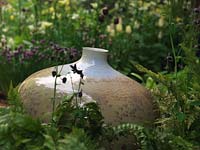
(3, 99)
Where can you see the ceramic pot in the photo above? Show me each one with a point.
(120, 98)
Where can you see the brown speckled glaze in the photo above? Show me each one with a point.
(120, 98)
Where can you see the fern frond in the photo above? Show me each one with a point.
(136, 130)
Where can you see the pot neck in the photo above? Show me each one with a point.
(94, 56)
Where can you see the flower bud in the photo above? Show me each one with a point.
(64, 80)
(54, 73)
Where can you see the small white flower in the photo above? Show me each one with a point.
(12, 17)
(31, 27)
(119, 27)
(51, 10)
(5, 29)
(75, 16)
(11, 42)
(161, 22)
(64, 2)
(94, 5)
(160, 35)
(45, 24)
(112, 32)
(128, 29)
(136, 24)
(108, 28)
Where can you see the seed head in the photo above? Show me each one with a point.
(64, 80)
(54, 73)
(80, 94)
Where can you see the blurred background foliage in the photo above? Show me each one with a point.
(134, 31)
(162, 35)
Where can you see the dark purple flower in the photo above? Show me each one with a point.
(42, 41)
(41, 56)
(196, 10)
(169, 58)
(9, 58)
(51, 44)
(16, 53)
(105, 10)
(196, 22)
(72, 53)
(33, 41)
(101, 18)
(28, 54)
(116, 20)
(75, 70)
(19, 49)
(102, 36)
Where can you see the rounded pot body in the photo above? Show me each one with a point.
(120, 98)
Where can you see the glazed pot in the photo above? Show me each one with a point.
(120, 98)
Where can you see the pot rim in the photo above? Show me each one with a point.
(95, 49)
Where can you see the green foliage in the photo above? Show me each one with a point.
(77, 140)
(136, 130)
(14, 99)
(87, 116)
(20, 131)
(177, 97)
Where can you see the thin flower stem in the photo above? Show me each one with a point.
(54, 97)
(19, 19)
(174, 54)
(79, 87)
(54, 93)
(171, 39)
(74, 91)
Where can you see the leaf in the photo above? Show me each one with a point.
(49, 142)
(195, 103)
(137, 76)
(150, 83)
(14, 99)
(180, 116)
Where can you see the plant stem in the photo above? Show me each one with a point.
(1, 18)
(76, 100)
(79, 87)
(36, 16)
(54, 97)
(20, 13)
(174, 54)
(54, 92)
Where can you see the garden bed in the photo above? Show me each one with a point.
(155, 42)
